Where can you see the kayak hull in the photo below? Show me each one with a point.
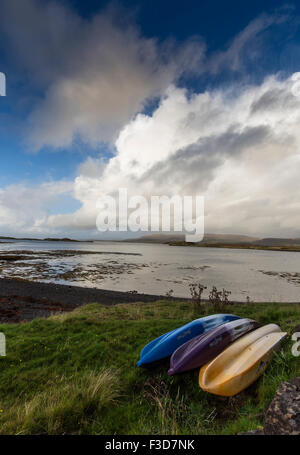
(238, 366)
(205, 347)
(164, 346)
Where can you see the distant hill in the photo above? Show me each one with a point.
(49, 239)
(157, 238)
(270, 241)
(65, 239)
(227, 240)
(208, 238)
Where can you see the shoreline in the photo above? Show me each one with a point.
(239, 246)
(27, 300)
(22, 301)
(287, 246)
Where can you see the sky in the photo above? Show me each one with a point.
(162, 98)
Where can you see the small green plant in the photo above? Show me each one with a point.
(196, 291)
(169, 294)
(218, 299)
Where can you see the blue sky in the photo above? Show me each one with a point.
(47, 50)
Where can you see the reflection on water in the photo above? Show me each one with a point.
(156, 269)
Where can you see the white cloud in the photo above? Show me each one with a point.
(245, 45)
(242, 153)
(24, 209)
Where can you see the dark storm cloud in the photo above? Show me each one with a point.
(196, 164)
(277, 98)
(94, 75)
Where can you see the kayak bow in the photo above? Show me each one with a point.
(241, 363)
(203, 348)
(166, 344)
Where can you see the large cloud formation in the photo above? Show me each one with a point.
(241, 152)
(238, 146)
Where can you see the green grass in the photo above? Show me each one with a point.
(76, 374)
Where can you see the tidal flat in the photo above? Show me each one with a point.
(53, 265)
(160, 269)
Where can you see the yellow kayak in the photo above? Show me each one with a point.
(241, 363)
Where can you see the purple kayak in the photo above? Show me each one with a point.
(203, 348)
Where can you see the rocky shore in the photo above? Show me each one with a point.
(25, 300)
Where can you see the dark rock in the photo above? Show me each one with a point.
(296, 382)
(283, 414)
(296, 329)
(258, 431)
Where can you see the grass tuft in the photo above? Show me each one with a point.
(69, 407)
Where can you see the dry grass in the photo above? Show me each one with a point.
(137, 311)
(68, 407)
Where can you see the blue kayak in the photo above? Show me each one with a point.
(166, 344)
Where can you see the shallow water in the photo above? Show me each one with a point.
(156, 269)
